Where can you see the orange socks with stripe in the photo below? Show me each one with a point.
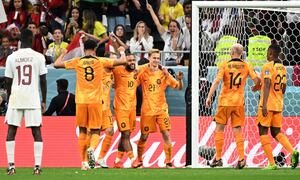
(141, 148)
(283, 140)
(266, 145)
(168, 152)
(105, 146)
(219, 141)
(240, 144)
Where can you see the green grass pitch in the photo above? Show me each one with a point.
(155, 174)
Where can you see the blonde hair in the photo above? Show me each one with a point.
(135, 32)
(153, 51)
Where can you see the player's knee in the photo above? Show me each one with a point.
(262, 130)
(125, 135)
(36, 133)
(11, 133)
(275, 131)
(166, 135)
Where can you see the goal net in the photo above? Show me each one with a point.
(217, 26)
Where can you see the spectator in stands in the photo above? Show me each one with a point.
(93, 5)
(14, 35)
(116, 14)
(137, 11)
(17, 13)
(47, 37)
(57, 47)
(73, 24)
(37, 40)
(94, 29)
(187, 30)
(35, 15)
(141, 41)
(116, 39)
(5, 49)
(64, 103)
(170, 10)
(187, 9)
(173, 38)
(57, 12)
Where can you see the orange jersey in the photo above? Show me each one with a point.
(126, 83)
(276, 72)
(107, 83)
(154, 85)
(234, 74)
(89, 74)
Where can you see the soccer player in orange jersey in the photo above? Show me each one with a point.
(107, 124)
(126, 82)
(89, 91)
(154, 111)
(233, 73)
(273, 75)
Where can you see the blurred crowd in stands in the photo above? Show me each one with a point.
(138, 25)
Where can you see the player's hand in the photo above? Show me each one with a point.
(256, 88)
(208, 103)
(43, 106)
(179, 75)
(264, 111)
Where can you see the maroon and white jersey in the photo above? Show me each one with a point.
(25, 67)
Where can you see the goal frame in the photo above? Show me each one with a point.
(196, 5)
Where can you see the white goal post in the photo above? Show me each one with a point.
(196, 5)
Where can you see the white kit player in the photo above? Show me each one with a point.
(25, 70)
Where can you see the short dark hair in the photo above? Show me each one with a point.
(26, 37)
(275, 49)
(90, 45)
(62, 84)
(128, 52)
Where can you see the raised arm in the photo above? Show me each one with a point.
(59, 61)
(179, 77)
(122, 60)
(160, 28)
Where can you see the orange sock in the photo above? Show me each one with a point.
(105, 146)
(283, 140)
(82, 145)
(95, 138)
(130, 155)
(141, 148)
(219, 141)
(240, 144)
(168, 152)
(87, 144)
(266, 145)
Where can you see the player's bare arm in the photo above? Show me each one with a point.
(179, 77)
(43, 84)
(59, 61)
(267, 85)
(212, 90)
(122, 60)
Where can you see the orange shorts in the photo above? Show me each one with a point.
(236, 113)
(89, 115)
(273, 119)
(148, 123)
(125, 119)
(107, 120)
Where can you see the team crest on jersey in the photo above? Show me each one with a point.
(267, 72)
(146, 128)
(123, 125)
(158, 81)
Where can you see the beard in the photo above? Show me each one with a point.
(130, 68)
